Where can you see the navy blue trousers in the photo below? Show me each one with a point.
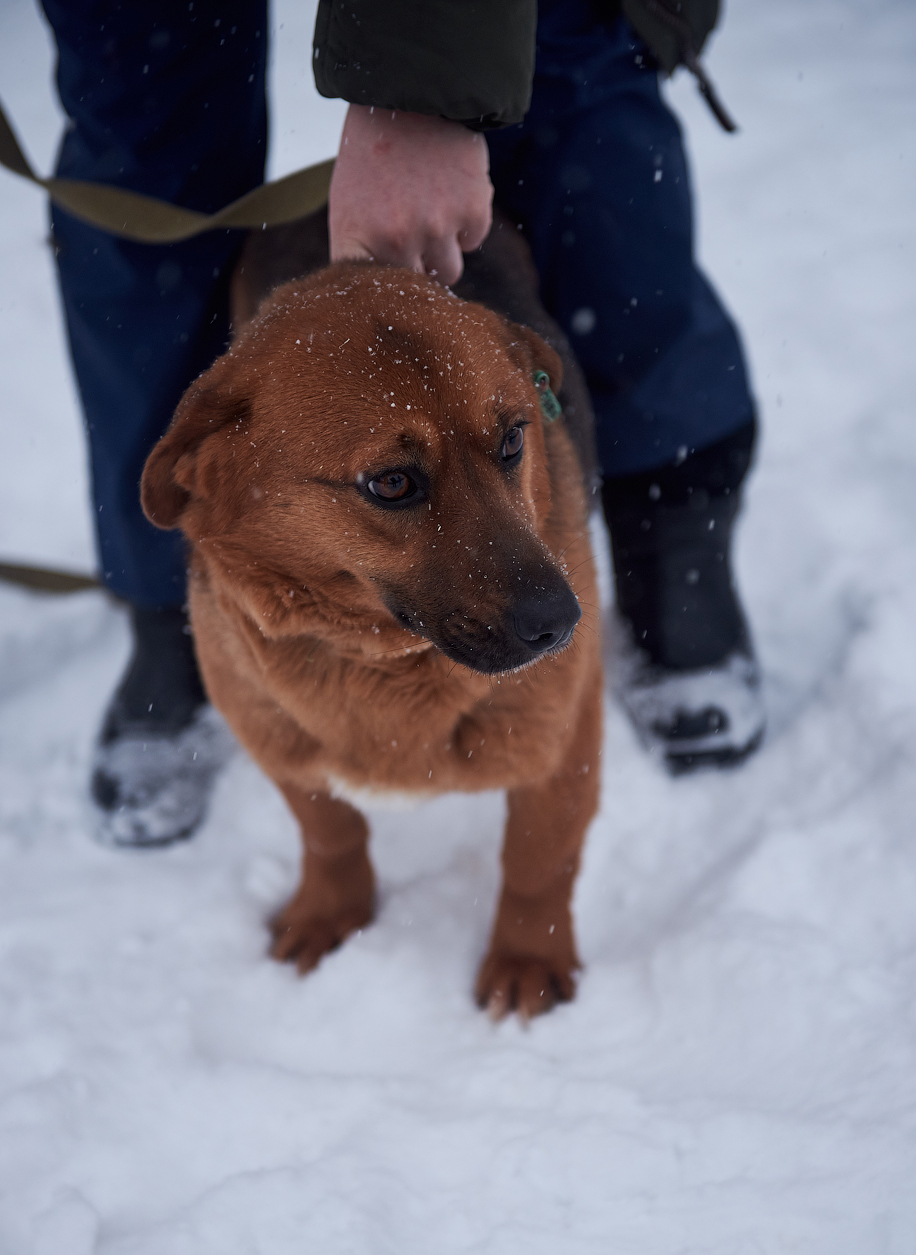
(170, 100)
(598, 178)
(167, 99)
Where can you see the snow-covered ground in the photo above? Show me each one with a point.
(738, 1074)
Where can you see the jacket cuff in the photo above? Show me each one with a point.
(470, 61)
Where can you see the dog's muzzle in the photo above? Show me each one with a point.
(541, 620)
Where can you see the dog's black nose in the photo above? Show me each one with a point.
(545, 618)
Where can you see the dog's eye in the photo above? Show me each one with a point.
(512, 445)
(392, 486)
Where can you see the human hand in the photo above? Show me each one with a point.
(410, 190)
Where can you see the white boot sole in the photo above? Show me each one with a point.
(162, 784)
(722, 702)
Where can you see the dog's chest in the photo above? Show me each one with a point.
(396, 738)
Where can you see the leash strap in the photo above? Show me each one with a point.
(690, 57)
(45, 580)
(133, 216)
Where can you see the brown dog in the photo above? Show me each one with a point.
(389, 558)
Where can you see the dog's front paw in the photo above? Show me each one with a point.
(523, 983)
(303, 937)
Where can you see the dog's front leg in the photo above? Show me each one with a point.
(532, 959)
(337, 891)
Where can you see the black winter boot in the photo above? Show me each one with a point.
(161, 744)
(691, 683)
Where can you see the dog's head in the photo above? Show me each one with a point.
(369, 460)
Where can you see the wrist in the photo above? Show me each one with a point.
(375, 124)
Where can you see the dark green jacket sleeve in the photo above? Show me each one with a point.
(471, 61)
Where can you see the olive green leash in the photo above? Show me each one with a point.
(151, 221)
(41, 579)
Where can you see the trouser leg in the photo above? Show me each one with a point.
(598, 178)
(168, 100)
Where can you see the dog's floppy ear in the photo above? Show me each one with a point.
(169, 478)
(534, 354)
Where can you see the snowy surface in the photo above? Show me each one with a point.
(738, 1074)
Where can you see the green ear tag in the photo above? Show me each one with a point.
(550, 406)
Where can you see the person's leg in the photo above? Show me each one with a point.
(169, 101)
(597, 177)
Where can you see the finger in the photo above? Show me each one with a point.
(383, 252)
(475, 230)
(348, 248)
(387, 252)
(442, 259)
